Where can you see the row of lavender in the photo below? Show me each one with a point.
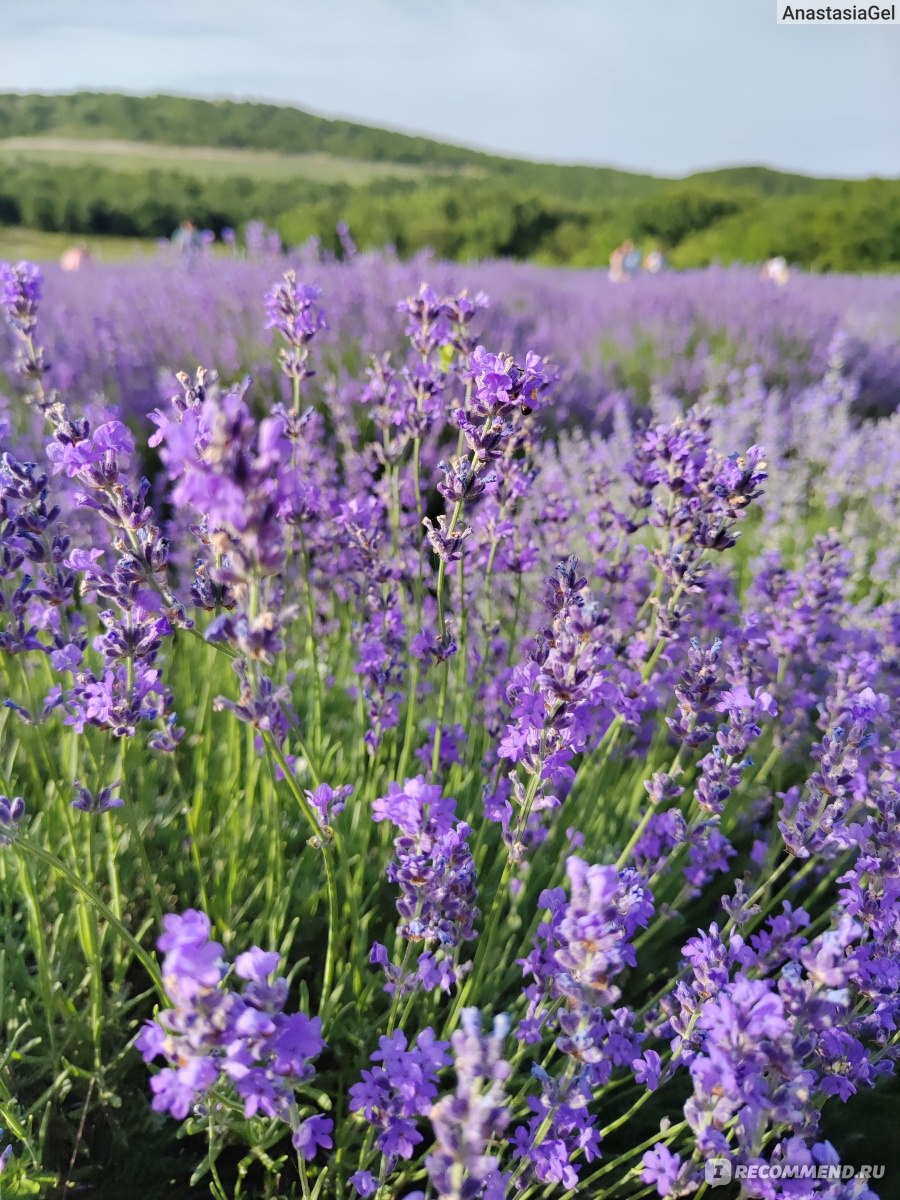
(548, 831)
(115, 330)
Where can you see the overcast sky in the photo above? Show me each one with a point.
(660, 85)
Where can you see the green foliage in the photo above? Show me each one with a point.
(94, 200)
(679, 212)
(179, 121)
(763, 181)
(393, 188)
(203, 162)
(855, 228)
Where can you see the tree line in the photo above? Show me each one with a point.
(489, 207)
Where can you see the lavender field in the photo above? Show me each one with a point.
(449, 734)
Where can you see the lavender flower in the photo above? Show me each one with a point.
(813, 822)
(560, 1131)
(466, 1121)
(501, 384)
(668, 1172)
(576, 957)
(99, 802)
(435, 324)
(292, 311)
(312, 1135)
(436, 875)
(215, 1035)
(328, 802)
(11, 813)
(21, 289)
(394, 1094)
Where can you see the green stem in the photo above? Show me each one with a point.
(311, 643)
(140, 847)
(322, 839)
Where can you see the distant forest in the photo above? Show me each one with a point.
(463, 203)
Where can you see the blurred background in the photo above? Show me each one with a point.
(568, 133)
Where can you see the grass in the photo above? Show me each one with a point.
(204, 162)
(35, 244)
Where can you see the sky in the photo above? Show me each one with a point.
(669, 86)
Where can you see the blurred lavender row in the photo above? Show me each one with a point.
(120, 329)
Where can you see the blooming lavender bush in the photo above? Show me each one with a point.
(418, 784)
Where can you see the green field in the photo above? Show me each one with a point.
(205, 162)
(40, 246)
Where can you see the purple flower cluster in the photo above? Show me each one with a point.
(438, 323)
(32, 558)
(694, 496)
(239, 479)
(668, 1172)
(494, 425)
(771, 1023)
(216, 1035)
(380, 637)
(560, 1131)
(500, 385)
(100, 802)
(578, 954)
(327, 802)
(468, 1121)
(292, 311)
(11, 813)
(554, 698)
(231, 472)
(397, 1092)
(139, 609)
(814, 821)
(438, 888)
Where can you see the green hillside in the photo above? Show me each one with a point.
(205, 162)
(244, 125)
(178, 121)
(100, 165)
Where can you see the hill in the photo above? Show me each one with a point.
(107, 120)
(246, 125)
(93, 163)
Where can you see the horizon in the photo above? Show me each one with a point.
(659, 88)
(408, 131)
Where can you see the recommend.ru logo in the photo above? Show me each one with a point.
(717, 1171)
